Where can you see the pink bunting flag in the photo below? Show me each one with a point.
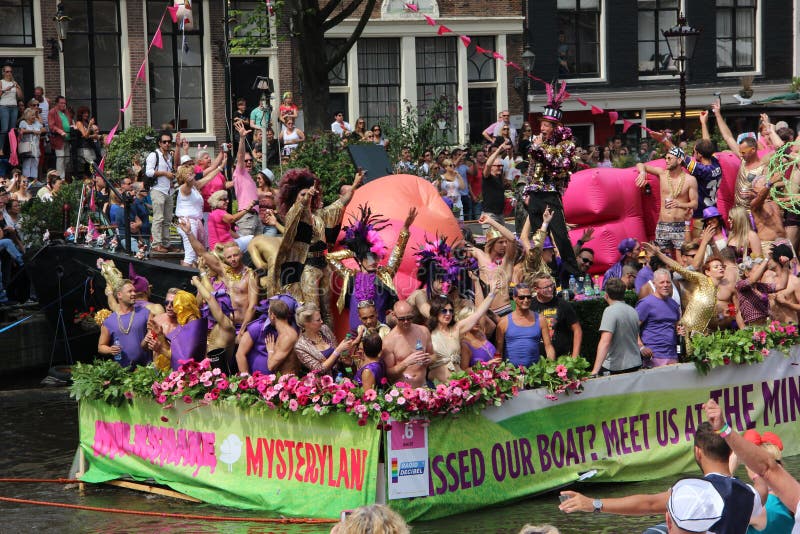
(92, 204)
(464, 39)
(498, 55)
(480, 50)
(429, 20)
(459, 107)
(102, 165)
(91, 230)
(596, 111)
(612, 117)
(111, 134)
(567, 94)
(443, 29)
(581, 101)
(157, 40)
(513, 65)
(626, 124)
(412, 7)
(140, 74)
(127, 103)
(173, 13)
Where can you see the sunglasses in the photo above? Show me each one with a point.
(447, 311)
(525, 297)
(587, 261)
(248, 160)
(405, 318)
(365, 303)
(165, 141)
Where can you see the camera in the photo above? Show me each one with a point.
(226, 147)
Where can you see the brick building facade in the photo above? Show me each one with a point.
(107, 40)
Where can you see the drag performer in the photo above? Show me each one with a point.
(552, 161)
(267, 344)
(306, 238)
(187, 340)
(443, 271)
(123, 333)
(373, 283)
(217, 310)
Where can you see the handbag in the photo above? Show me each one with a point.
(25, 148)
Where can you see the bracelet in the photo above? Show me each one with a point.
(725, 431)
(642, 347)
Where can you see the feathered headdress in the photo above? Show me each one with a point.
(362, 235)
(438, 261)
(552, 111)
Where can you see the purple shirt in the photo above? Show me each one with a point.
(708, 181)
(188, 342)
(376, 368)
(132, 352)
(258, 357)
(658, 318)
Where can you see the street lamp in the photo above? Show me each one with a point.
(681, 40)
(528, 63)
(62, 22)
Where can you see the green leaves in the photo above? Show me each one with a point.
(746, 346)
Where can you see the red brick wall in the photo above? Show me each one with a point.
(137, 48)
(52, 70)
(219, 93)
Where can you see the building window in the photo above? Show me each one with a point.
(736, 35)
(480, 67)
(578, 38)
(176, 71)
(92, 73)
(251, 26)
(437, 74)
(337, 77)
(379, 79)
(16, 23)
(654, 16)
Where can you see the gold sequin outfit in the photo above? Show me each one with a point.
(701, 298)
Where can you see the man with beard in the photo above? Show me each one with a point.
(679, 194)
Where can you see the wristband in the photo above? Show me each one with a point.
(725, 431)
(642, 347)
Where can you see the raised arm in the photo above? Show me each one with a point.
(511, 246)
(733, 146)
(211, 260)
(242, 131)
(213, 305)
(704, 125)
(396, 257)
(466, 324)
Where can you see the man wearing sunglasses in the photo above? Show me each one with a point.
(159, 168)
(562, 321)
(407, 348)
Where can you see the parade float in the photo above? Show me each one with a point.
(312, 447)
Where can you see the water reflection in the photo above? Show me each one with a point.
(39, 434)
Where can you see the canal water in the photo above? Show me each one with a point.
(39, 435)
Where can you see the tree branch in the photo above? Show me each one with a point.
(329, 8)
(342, 51)
(340, 17)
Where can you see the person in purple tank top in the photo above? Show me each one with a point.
(123, 333)
(519, 333)
(373, 372)
(475, 346)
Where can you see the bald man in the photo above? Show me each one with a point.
(404, 362)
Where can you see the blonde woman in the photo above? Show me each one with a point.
(19, 189)
(742, 238)
(316, 348)
(450, 186)
(30, 130)
(189, 207)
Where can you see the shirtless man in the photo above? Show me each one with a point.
(752, 166)
(403, 361)
(497, 260)
(787, 302)
(239, 280)
(766, 213)
(679, 192)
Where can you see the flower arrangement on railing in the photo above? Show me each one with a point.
(746, 346)
(196, 383)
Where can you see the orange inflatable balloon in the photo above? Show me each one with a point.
(391, 197)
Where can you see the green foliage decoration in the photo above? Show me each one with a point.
(136, 142)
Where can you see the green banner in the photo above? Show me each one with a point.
(632, 427)
(301, 466)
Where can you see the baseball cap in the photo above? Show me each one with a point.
(695, 504)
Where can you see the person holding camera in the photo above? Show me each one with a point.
(10, 92)
(159, 168)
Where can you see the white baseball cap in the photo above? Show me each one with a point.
(695, 504)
